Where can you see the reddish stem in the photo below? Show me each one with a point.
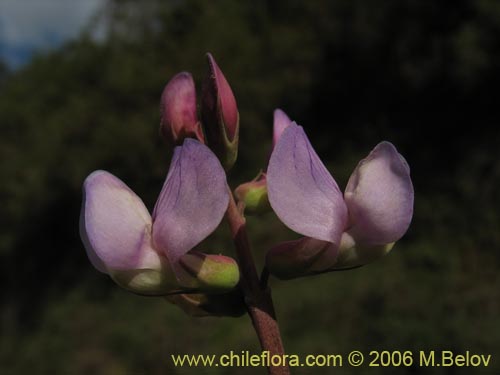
(258, 300)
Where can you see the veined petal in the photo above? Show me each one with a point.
(281, 122)
(301, 191)
(379, 196)
(115, 226)
(192, 202)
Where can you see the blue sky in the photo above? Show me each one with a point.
(28, 26)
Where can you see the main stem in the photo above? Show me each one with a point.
(258, 300)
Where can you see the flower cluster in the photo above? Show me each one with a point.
(153, 254)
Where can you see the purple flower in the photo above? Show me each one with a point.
(149, 254)
(353, 229)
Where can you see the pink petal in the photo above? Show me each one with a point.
(301, 191)
(192, 202)
(115, 226)
(281, 122)
(379, 196)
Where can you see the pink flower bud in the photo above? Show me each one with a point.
(178, 110)
(220, 115)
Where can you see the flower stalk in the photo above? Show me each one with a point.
(257, 298)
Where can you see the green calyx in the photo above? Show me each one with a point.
(253, 195)
(195, 273)
(208, 273)
(228, 149)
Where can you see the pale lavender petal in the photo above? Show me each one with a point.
(301, 191)
(115, 226)
(281, 122)
(192, 202)
(379, 196)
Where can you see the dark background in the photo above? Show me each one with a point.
(424, 75)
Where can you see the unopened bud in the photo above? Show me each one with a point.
(178, 111)
(254, 195)
(208, 272)
(220, 115)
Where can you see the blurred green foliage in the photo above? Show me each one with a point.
(421, 74)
